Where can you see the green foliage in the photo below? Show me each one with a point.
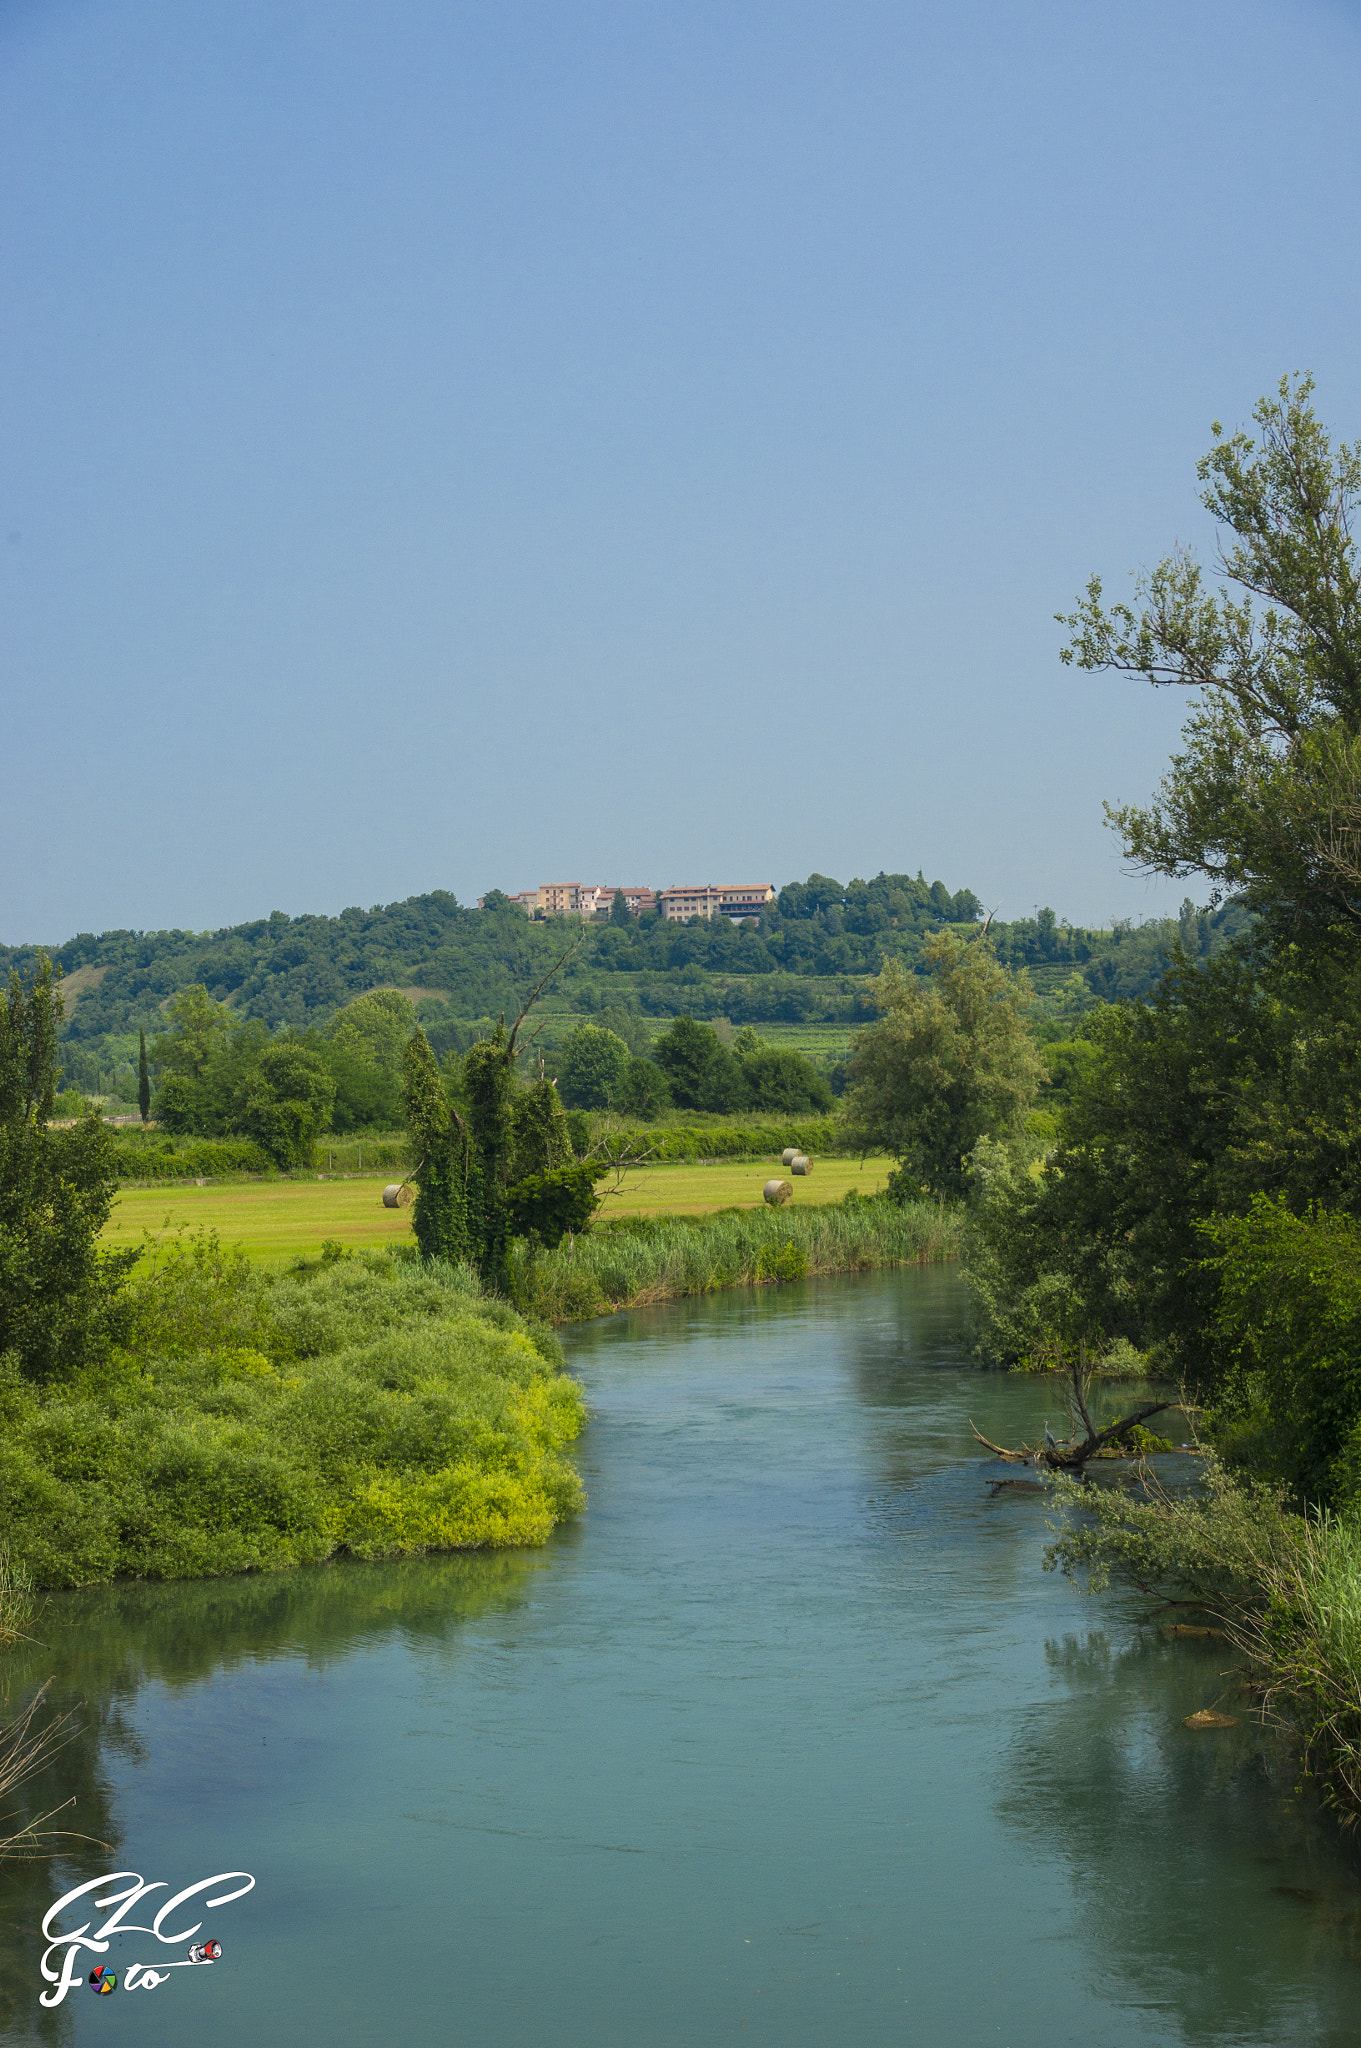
(1066, 1060)
(701, 1072)
(540, 1141)
(705, 1074)
(377, 1027)
(948, 1065)
(645, 1259)
(643, 1090)
(60, 1305)
(554, 1204)
(223, 1078)
(1289, 1308)
(143, 1078)
(808, 961)
(728, 1139)
(1263, 798)
(378, 1409)
(591, 1066)
(134, 1157)
(288, 1099)
(443, 1166)
(1213, 1543)
(778, 1079)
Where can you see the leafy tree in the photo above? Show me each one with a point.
(591, 1066)
(288, 1100)
(620, 914)
(199, 1028)
(948, 1064)
(1289, 1312)
(60, 1296)
(375, 1027)
(143, 1078)
(643, 1090)
(541, 1142)
(444, 1163)
(702, 1073)
(550, 1206)
(1265, 798)
(368, 1097)
(497, 1164)
(779, 1079)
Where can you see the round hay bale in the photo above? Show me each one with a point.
(400, 1195)
(789, 1155)
(800, 1164)
(777, 1191)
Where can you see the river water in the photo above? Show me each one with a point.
(789, 1741)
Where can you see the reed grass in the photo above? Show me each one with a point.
(639, 1260)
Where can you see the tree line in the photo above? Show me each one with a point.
(808, 958)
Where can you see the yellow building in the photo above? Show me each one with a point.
(717, 899)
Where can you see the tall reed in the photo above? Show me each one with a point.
(630, 1265)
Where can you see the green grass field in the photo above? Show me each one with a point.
(277, 1221)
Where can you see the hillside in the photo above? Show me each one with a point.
(806, 961)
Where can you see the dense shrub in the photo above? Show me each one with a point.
(379, 1408)
(187, 1159)
(729, 1140)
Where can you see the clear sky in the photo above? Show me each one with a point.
(467, 445)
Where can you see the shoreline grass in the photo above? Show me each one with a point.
(634, 1263)
(1285, 1587)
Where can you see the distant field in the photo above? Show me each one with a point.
(274, 1221)
(815, 1041)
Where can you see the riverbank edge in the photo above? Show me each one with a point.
(640, 1262)
(1282, 1588)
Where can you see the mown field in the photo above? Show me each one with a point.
(276, 1221)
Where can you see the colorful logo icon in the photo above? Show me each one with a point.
(102, 1979)
(205, 1951)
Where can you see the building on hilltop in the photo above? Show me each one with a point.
(578, 899)
(717, 899)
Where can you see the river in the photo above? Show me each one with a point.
(788, 1741)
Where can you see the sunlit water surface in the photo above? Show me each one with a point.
(788, 1740)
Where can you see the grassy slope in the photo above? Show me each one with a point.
(274, 1221)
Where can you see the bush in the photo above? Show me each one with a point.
(380, 1408)
(192, 1159)
(726, 1140)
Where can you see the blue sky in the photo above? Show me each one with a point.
(459, 445)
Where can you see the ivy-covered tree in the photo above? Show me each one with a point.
(60, 1295)
(494, 1164)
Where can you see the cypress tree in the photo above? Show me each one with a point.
(143, 1078)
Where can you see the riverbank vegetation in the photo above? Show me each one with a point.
(640, 1260)
(374, 1407)
(1201, 1201)
(196, 1416)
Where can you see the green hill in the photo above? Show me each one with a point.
(805, 962)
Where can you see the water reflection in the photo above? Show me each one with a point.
(107, 1645)
(1264, 1941)
(790, 1740)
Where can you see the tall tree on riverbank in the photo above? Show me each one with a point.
(1265, 797)
(60, 1305)
(950, 1062)
(1240, 1084)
